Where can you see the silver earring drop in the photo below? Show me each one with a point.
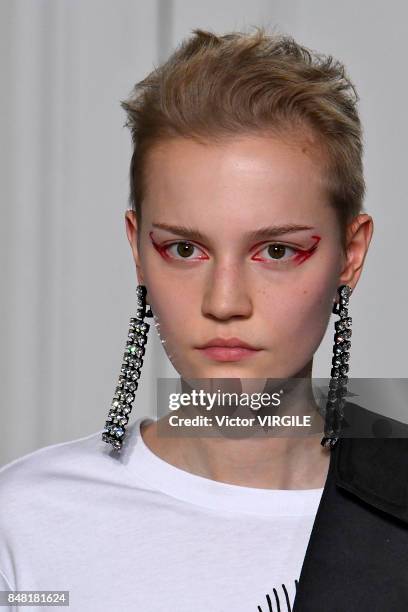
(340, 368)
(121, 406)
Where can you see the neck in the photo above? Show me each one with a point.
(271, 462)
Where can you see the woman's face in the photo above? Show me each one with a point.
(272, 289)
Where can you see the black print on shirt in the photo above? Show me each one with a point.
(281, 604)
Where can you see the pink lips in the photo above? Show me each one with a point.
(228, 349)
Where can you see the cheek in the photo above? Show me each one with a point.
(310, 306)
(170, 322)
(309, 313)
(301, 320)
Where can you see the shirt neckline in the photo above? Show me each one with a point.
(198, 490)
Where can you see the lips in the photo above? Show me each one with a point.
(228, 349)
(228, 343)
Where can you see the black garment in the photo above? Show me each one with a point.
(357, 555)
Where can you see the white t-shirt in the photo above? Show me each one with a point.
(130, 531)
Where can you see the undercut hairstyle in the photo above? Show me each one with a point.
(213, 88)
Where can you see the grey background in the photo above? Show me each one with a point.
(67, 274)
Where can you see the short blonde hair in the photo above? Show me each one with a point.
(215, 87)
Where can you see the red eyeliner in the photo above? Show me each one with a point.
(303, 255)
(299, 258)
(160, 249)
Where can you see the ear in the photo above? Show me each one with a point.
(131, 231)
(359, 233)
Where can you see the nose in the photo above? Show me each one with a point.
(226, 293)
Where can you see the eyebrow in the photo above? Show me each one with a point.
(259, 234)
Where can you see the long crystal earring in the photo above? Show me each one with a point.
(118, 416)
(340, 368)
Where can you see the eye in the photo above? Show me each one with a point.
(183, 250)
(276, 252)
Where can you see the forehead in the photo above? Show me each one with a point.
(238, 178)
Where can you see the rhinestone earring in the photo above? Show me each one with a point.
(118, 416)
(340, 368)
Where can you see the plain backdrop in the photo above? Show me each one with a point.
(67, 275)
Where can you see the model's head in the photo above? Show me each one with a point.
(247, 194)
